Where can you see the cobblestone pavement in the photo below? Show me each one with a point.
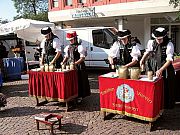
(17, 118)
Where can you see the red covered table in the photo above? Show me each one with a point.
(135, 98)
(176, 65)
(53, 86)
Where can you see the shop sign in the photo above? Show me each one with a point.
(85, 12)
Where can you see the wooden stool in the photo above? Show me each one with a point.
(48, 119)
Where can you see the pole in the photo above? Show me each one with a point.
(27, 65)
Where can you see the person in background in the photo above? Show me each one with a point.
(38, 51)
(136, 42)
(22, 53)
(11, 52)
(2, 55)
(19, 51)
(51, 48)
(19, 45)
(76, 53)
(123, 52)
(159, 55)
(5, 43)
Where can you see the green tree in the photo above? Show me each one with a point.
(175, 3)
(32, 9)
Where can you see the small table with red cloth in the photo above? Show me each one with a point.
(177, 89)
(134, 98)
(53, 86)
(50, 120)
(176, 65)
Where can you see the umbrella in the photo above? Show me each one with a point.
(26, 29)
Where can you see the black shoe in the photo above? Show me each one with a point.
(79, 100)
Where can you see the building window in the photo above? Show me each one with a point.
(97, 0)
(68, 2)
(81, 1)
(55, 4)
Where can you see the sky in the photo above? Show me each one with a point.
(7, 10)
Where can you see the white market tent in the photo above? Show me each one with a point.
(27, 29)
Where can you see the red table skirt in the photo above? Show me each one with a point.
(177, 88)
(134, 98)
(54, 86)
(176, 64)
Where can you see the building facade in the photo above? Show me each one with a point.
(140, 16)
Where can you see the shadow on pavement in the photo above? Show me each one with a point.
(169, 120)
(88, 104)
(20, 111)
(71, 128)
(24, 111)
(15, 90)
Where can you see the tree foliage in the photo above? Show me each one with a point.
(32, 9)
(175, 3)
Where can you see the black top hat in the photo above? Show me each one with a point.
(46, 30)
(159, 33)
(123, 33)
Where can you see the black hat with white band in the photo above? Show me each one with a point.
(159, 33)
(123, 33)
(46, 30)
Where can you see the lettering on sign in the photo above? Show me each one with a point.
(106, 91)
(85, 12)
(144, 97)
(125, 107)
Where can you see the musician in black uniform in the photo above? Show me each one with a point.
(51, 48)
(123, 52)
(158, 58)
(76, 53)
(136, 41)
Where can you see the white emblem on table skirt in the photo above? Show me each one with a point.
(125, 93)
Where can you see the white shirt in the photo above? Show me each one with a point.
(141, 47)
(114, 51)
(169, 50)
(81, 50)
(56, 45)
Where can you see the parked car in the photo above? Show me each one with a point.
(97, 41)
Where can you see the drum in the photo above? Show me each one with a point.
(72, 66)
(51, 68)
(135, 73)
(46, 67)
(123, 72)
(150, 75)
(42, 68)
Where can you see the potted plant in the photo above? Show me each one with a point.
(176, 55)
(176, 62)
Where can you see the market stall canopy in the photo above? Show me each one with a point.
(26, 29)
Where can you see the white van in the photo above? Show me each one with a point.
(97, 41)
